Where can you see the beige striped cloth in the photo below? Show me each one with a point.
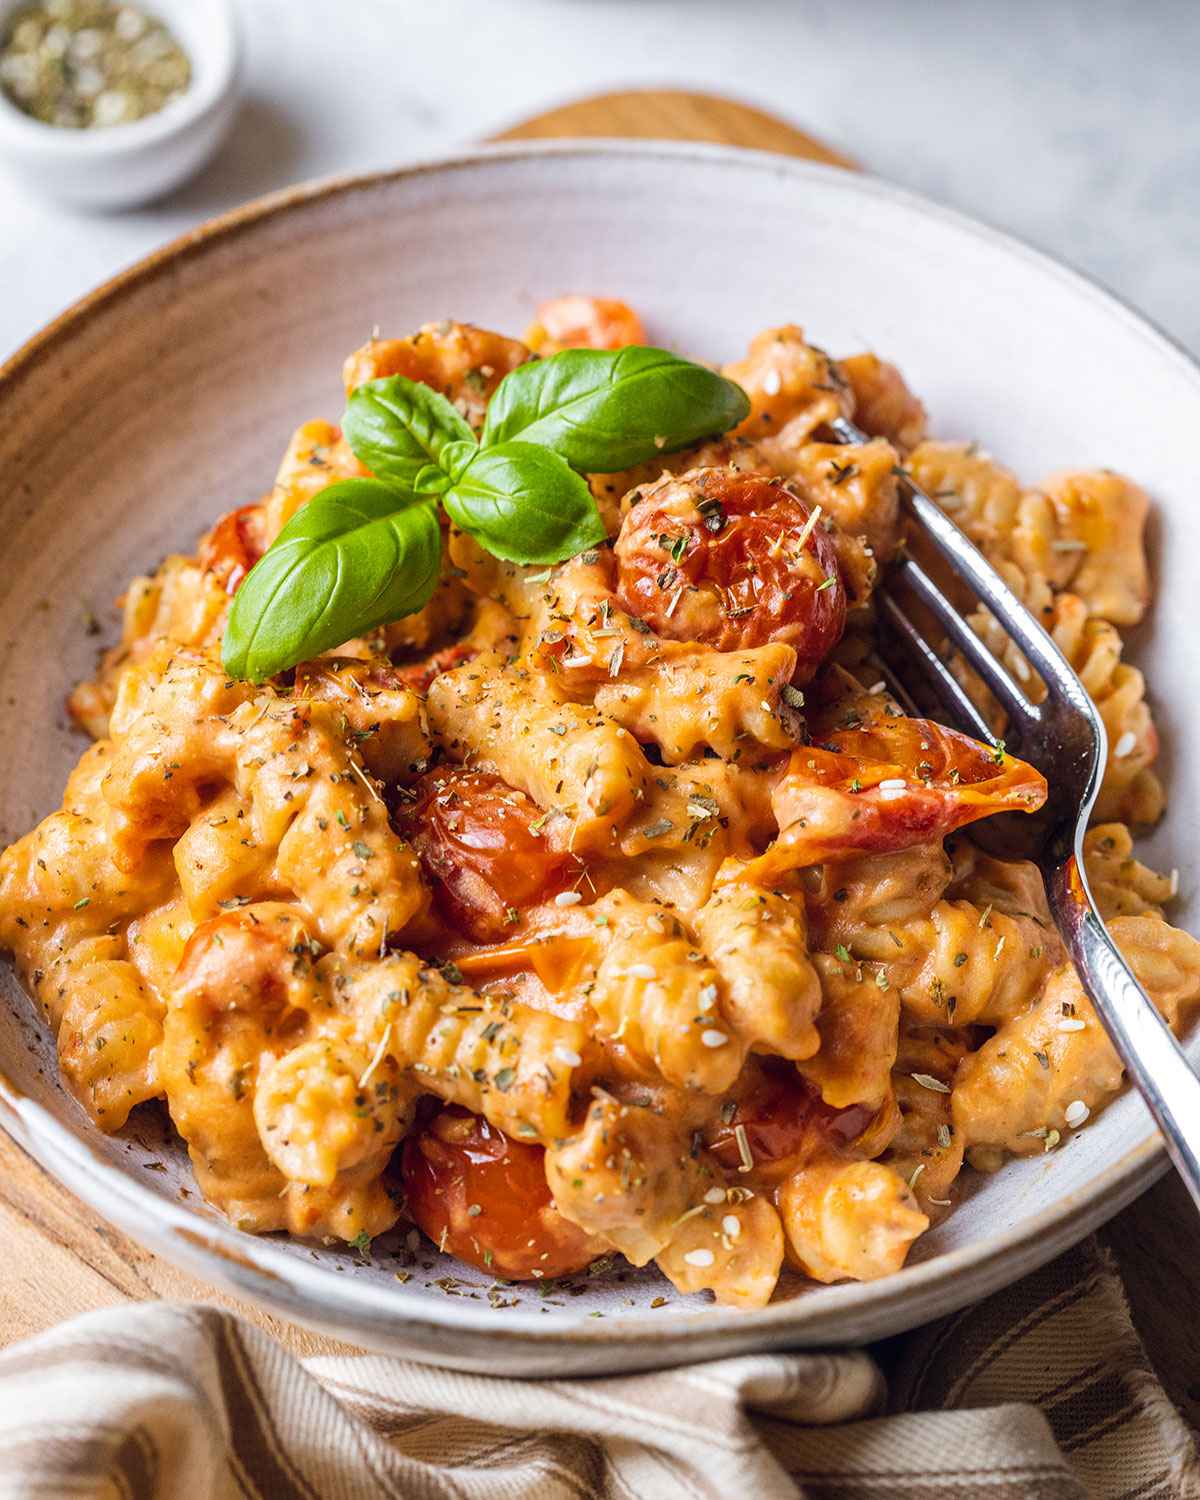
(1040, 1393)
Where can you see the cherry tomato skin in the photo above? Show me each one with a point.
(236, 961)
(471, 831)
(418, 675)
(233, 546)
(733, 561)
(785, 1121)
(575, 322)
(484, 1198)
(878, 780)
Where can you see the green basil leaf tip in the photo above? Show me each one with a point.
(356, 556)
(403, 431)
(525, 505)
(603, 410)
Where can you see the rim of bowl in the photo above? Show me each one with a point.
(975, 1269)
(215, 59)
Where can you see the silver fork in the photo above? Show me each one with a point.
(1063, 736)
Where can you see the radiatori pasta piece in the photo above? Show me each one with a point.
(732, 1247)
(677, 964)
(793, 387)
(1121, 885)
(850, 898)
(316, 457)
(110, 1028)
(696, 698)
(1093, 542)
(855, 486)
(321, 1108)
(680, 697)
(63, 908)
(857, 1026)
(980, 495)
(692, 817)
(242, 996)
(1130, 791)
(382, 713)
(953, 961)
(757, 940)
(586, 772)
(513, 1064)
(848, 1220)
(181, 727)
(656, 993)
(629, 1176)
(1011, 886)
(181, 602)
(927, 1150)
(967, 964)
(218, 861)
(1048, 1069)
(883, 405)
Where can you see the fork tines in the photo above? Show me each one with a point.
(971, 568)
(942, 682)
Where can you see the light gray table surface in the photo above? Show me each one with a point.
(1073, 123)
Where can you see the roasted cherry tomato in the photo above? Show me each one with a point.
(575, 322)
(233, 546)
(472, 833)
(732, 560)
(419, 674)
(255, 958)
(484, 1198)
(785, 1121)
(874, 780)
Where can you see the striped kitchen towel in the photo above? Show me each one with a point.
(1042, 1392)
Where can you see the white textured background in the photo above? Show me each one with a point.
(1074, 123)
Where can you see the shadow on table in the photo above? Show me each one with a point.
(263, 148)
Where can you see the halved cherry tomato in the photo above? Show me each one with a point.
(575, 322)
(732, 560)
(874, 780)
(233, 546)
(472, 833)
(785, 1121)
(484, 1198)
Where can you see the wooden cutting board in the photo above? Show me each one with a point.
(671, 115)
(60, 1259)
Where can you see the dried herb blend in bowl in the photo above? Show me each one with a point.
(84, 64)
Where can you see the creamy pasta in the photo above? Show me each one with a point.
(613, 907)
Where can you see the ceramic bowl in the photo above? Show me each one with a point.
(120, 166)
(167, 397)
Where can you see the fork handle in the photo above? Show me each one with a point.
(1145, 1042)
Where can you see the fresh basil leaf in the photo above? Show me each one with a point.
(356, 556)
(525, 505)
(405, 431)
(608, 409)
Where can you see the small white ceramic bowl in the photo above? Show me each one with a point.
(118, 166)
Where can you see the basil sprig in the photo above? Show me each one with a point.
(365, 552)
